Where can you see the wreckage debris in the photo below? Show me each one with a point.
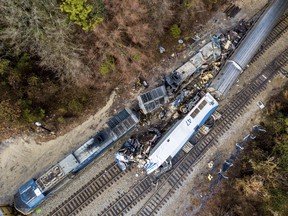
(135, 150)
(136, 87)
(183, 87)
(200, 60)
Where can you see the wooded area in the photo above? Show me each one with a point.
(257, 183)
(60, 58)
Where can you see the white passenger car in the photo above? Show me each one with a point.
(178, 135)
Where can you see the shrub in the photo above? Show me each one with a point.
(74, 106)
(60, 119)
(82, 13)
(175, 31)
(4, 64)
(30, 115)
(107, 66)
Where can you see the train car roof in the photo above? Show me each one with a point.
(93, 146)
(56, 173)
(153, 99)
(121, 123)
(250, 45)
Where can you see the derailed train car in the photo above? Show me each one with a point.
(35, 191)
(178, 135)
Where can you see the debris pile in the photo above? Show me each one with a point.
(136, 150)
(183, 87)
(139, 84)
(199, 61)
(230, 40)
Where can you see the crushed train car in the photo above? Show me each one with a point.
(136, 150)
(208, 53)
(126, 155)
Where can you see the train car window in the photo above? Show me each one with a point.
(195, 112)
(202, 104)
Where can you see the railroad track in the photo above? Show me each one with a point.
(170, 182)
(276, 33)
(87, 193)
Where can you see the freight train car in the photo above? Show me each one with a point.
(178, 135)
(35, 191)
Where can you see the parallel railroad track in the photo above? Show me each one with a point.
(85, 195)
(168, 184)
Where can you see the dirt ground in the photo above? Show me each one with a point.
(22, 158)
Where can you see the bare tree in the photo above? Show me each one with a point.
(39, 28)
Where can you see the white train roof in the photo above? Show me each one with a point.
(180, 132)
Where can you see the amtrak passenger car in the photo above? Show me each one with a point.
(180, 133)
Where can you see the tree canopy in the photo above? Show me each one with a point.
(83, 14)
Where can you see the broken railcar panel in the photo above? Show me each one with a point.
(136, 149)
(131, 145)
(153, 99)
(127, 153)
(121, 160)
(123, 122)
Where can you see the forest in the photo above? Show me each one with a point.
(257, 183)
(60, 59)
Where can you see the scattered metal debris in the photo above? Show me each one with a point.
(210, 164)
(210, 177)
(162, 114)
(136, 87)
(136, 149)
(260, 104)
(162, 49)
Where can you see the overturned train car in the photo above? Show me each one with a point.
(35, 191)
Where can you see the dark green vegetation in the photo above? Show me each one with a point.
(258, 183)
(60, 59)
